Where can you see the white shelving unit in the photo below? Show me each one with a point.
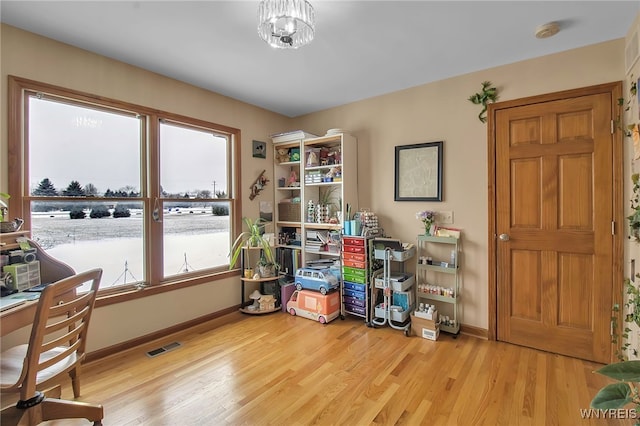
(438, 282)
(327, 175)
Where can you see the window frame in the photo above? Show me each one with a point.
(18, 175)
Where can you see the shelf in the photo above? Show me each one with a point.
(437, 297)
(330, 226)
(8, 239)
(323, 183)
(326, 166)
(292, 247)
(442, 240)
(324, 253)
(450, 329)
(289, 224)
(288, 163)
(437, 268)
(259, 280)
(288, 188)
(266, 311)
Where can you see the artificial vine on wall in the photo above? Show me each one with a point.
(487, 95)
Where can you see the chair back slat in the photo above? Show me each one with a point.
(71, 316)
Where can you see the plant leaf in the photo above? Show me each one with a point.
(628, 371)
(616, 395)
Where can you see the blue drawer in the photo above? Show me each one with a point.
(354, 286)
(355, 294)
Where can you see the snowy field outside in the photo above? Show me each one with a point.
(193, 239)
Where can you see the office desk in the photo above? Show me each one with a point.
(17, 317)
(51, 270)
(23, 315)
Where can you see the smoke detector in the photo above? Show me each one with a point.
(547, 30)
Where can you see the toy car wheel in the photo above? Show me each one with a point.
(292, 312)
(298, 286)
(323, 291)
(322, 319)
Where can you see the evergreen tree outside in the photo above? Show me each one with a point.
(74, 190)
(77, 213)
(121, 211)
(45, 189)
(99, 211)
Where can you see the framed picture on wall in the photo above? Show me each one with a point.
(259, 149)
(418, 172)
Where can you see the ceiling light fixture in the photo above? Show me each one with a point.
(286, 24)
(547, 30)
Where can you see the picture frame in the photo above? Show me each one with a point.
(259, 149)
(418, 172)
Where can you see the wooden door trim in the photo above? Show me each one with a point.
(615, 89)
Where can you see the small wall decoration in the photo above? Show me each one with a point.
(487, 95)
(258, 185)
(418, 174)
(259, 149)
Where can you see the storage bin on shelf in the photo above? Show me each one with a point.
(397, 281)
(289, 212)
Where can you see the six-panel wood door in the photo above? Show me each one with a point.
(554, 225)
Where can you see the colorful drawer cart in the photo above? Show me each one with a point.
(356, 276)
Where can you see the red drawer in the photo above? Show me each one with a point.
(354, 256)
(354, 264)
(353, 249)
(353, 241)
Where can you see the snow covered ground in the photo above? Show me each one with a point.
(194, 239)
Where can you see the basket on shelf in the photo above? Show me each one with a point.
(289, 212)
(11, 226)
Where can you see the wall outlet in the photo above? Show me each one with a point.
(444, 217)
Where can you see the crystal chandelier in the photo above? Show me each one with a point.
(286, 24)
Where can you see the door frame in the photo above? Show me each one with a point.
(615, 89)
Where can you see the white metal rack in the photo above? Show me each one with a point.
(438, 281)
(388, 313)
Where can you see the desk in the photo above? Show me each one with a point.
(21, 316)
(51, 270)
(17, 317)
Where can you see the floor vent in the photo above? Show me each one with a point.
(166, 348)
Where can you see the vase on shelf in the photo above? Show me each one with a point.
(427, 228)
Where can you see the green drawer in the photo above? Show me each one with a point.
(354, 278)
(354, 271)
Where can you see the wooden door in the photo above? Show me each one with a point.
(554, 214)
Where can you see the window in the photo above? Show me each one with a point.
(148, 196)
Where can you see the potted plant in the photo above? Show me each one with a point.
(4, 207)
(253, 237)
(266, 268)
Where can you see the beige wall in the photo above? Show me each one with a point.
(31, 56)
(431, 112)
(440, 111)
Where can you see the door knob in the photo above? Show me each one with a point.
(504, 237)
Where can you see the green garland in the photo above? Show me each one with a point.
(488, 94)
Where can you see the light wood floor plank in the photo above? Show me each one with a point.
(282, 370)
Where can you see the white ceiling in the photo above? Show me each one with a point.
(362, 48)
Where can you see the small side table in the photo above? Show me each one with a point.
(244, 304)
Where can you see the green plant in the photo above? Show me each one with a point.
(488, 94)
(634, 217)
(253, 237)
(627, 373)
(4, 207)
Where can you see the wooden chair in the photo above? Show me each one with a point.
(56, 346)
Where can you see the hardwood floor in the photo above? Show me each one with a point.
(282, 370)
